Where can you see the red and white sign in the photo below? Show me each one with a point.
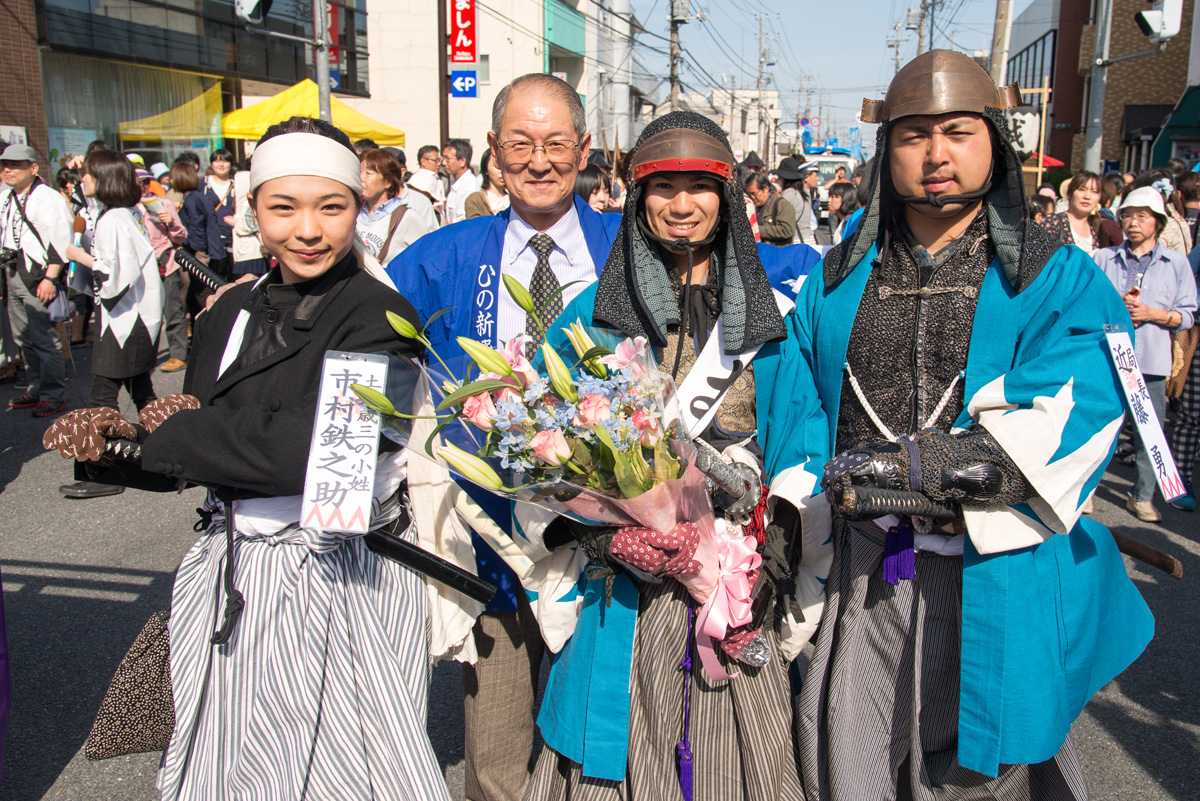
(815, 122)
(335, 52)
(463, 45)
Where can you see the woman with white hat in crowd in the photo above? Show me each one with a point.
(1160, 294)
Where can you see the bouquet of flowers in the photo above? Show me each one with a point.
(601, 442)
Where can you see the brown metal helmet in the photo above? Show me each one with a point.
(681, 150)
(940, 82)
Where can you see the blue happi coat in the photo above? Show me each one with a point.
(1049, 615)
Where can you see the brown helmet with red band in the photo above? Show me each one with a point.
(681, 150)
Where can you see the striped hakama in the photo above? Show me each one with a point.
(740, 732)
(878, 713)
(321, 691)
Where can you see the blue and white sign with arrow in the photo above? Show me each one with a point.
(463, 83)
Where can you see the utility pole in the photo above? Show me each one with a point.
(759, 85)
(732, 94)
(679, 15)
(1001, 35)
(921, 28)
(894, 41)
(321, 30)
(1095, 128)
(799, 96)
(444, 73)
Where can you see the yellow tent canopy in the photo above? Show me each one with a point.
(195, 119)
(301, 101)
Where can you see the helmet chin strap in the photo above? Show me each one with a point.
(944, 200)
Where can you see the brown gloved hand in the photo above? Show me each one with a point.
(82, 434)
(156, 411)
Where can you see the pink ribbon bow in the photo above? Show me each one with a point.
(729, 605)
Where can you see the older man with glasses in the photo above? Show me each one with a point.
(35, 229)
(549, 239)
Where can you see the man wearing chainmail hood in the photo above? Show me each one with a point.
(636, 707)
(950, 358)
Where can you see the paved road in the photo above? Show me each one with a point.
(82, 577)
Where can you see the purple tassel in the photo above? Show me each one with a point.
(683, 749)
(684, 755)
(899, 555)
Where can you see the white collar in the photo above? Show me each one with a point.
(519, 232)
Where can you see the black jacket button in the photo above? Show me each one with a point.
(271, 316)
(273, 404)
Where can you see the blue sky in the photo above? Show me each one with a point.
(838, 45)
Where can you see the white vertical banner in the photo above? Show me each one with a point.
(1137, 398)
(340, 481)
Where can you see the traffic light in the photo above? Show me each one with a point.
(255, 11)
(1162, 21)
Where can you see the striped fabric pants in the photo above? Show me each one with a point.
(1185, 440)
(878, 714)
(320, 693)
(741, 730)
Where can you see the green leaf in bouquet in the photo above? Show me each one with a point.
(590, 360)
(487, 357)
(474, 388)
(666, 466)
(631, 471)
(433, 435)
(562, 288)
(560, 376)
(433, 317)
(581, 454)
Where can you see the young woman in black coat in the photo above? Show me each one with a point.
(298, 657)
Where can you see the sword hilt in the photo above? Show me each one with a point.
(126, 450)
(198, 271)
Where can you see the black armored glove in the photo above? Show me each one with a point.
(968, 468)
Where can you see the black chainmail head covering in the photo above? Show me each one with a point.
(634, 293)
(1023, 247)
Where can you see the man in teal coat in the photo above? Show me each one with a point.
(950, 353)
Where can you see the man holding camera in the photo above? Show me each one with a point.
(35, 229)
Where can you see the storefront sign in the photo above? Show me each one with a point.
(463, 45)
(65, 143)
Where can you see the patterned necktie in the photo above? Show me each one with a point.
(541, 287)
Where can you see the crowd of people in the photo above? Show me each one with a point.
(940, 343)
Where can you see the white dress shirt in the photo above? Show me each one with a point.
(419, 205)
(456, 201)
(570, 260)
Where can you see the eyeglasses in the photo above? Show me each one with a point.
(1137, 216)
(520, 151)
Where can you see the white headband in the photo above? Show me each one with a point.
(305, 154)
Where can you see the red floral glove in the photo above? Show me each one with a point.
(156, 411)
(656, 552)
(81, 434)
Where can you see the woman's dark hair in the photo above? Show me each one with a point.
(1110, 190)
(590, 179)
(485, 159)
(224, 154)
(1176, 165)
(1188, 185)
(184, 177)
(190, 157)
(117, 185)
(848, 192)
(66, 176)
(1039, 204)
(1157, 174)
(384, 163)
(96, 144)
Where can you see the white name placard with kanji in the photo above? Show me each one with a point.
(340, 481)
(1137, 397)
